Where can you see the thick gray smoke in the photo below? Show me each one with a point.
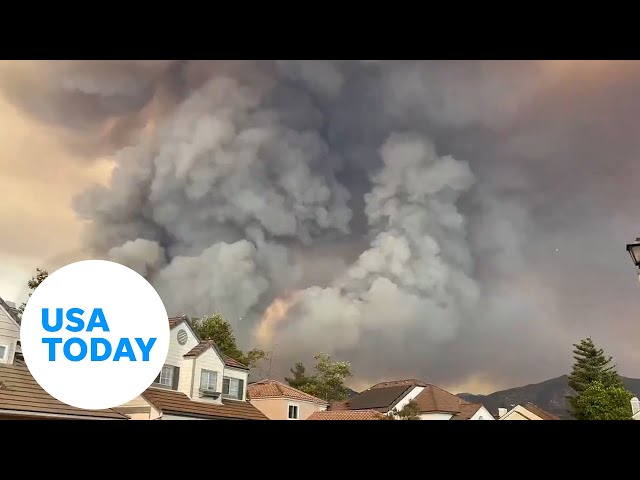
(407, 213)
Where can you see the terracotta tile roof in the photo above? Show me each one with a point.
(467, 411)
(275, 389)
(346, 415)
(540, 412)
(21, 394)
(171, 402)
(381, 399)
(434, 399)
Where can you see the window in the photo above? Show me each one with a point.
(168, 377)
(293, 412)
(233, 388)
(209, 381)
(480, 417)
(3, 352)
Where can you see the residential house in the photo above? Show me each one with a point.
(528, 411)
(20, 395)
(283, 402)
(433, 402)
(196, 382)
(635, 408)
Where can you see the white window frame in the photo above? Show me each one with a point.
(5, 355)
(172, 370)
(297, 407)
(228, 394)
(209, 373)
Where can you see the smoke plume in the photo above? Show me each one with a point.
(401, 215)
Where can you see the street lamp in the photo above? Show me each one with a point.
(634, 251)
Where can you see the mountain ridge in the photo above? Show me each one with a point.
(550, 395)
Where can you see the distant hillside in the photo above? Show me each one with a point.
(548, 395)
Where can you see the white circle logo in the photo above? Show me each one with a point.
(95, 334)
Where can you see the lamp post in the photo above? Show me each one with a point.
(634, 251)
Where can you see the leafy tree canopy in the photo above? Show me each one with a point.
(215, 327)
(596, 384)
(327, 381)
(602, 402)
(34, 283)
(411, 411)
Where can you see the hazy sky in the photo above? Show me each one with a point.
(460, 222)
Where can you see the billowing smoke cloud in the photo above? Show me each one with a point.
(402, 215)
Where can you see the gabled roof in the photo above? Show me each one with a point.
(171, 402)
(467, 411)
(21, 395)
(275, 389)
(175, 321)
(204, 345)
(207, 344)
(384, 396)
(544, 415)
(346, 415)
(12, 312)
(433, 399)
(381, 399)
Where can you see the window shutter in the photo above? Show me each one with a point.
(215, 381)
(203, 380)
(176, 377)
(240, 389)
(225, 386)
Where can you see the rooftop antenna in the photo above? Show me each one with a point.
(271, 361)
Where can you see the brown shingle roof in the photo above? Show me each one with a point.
(275, 389)
(395, 383)
(467, 411)
(346, 415)
(540, 412)
(200, 348)
(232, 362)
(171, 402)
(22, 395)
(434, 399)
(174, 321)
(206, 344)
(382, 399)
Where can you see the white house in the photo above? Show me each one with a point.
(20, 395)
(433, 402)
(635, 408)
(197, 382)
(528, 411)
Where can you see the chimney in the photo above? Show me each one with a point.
(502, 412)
(635, 405)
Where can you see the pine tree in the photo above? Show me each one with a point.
(591, 367)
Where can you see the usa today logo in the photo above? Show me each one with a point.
(95, 334)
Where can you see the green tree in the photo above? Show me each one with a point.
(592, 368)
(215, 327)
(34, 283)
(300, 380)
(601, 402)
(327, 381)
(411, 411)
